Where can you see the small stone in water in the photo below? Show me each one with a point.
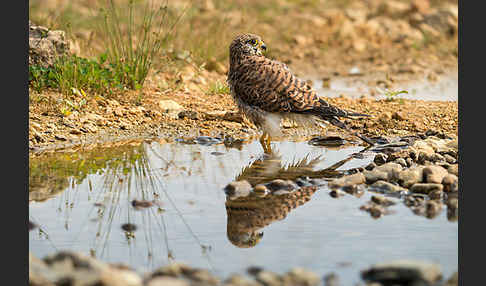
(139, 204)
(129, 227)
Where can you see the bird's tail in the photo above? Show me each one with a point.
(336, 122)
(356, 114)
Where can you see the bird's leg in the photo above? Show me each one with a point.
(265, 142)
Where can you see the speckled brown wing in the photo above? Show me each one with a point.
(270, 85)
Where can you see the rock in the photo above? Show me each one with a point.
(421, 146)
(392, 169)
(451, 183)
(403, 272)
(300, 276)
(375, 175)
(238, 189)
(349, 180)
(394, 8)
(167, 281)
(46, 46)
(449, 159)
(434, 174)
(386, 187)
(401, 162)
(171, 108)
(421, 6)
(398, 116)
(453, 169)
(370, 166)
(408, 177)
(425, 188)
(335, 193)
(380, 159)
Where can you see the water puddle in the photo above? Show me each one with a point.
(154, 202)
(446, 88)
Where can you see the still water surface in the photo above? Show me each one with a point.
(80, 200)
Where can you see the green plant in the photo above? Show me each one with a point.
(390, 95)
(73, 72)
(218, 87)
(131, 49)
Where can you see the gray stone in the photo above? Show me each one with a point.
(408, 177)
(434, 174)
(425, 188)
(451, 183)
(349, 180)
(403, 272)
(387, 187)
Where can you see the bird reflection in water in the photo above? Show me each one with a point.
(265, 192)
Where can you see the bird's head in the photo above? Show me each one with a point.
(247, 45)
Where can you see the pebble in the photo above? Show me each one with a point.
(140, 204)
(375, 175)
(434, 174)
(392, 169)
(348, 180)
(426, 188)
(453, 169)
(401, 162)
(451, 183)
(335, 193)
(380, 159)
(411, 176)
(130, 227)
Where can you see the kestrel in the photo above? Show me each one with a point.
(266, 91)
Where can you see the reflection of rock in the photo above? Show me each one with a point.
(247, 215)
(43, 187)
